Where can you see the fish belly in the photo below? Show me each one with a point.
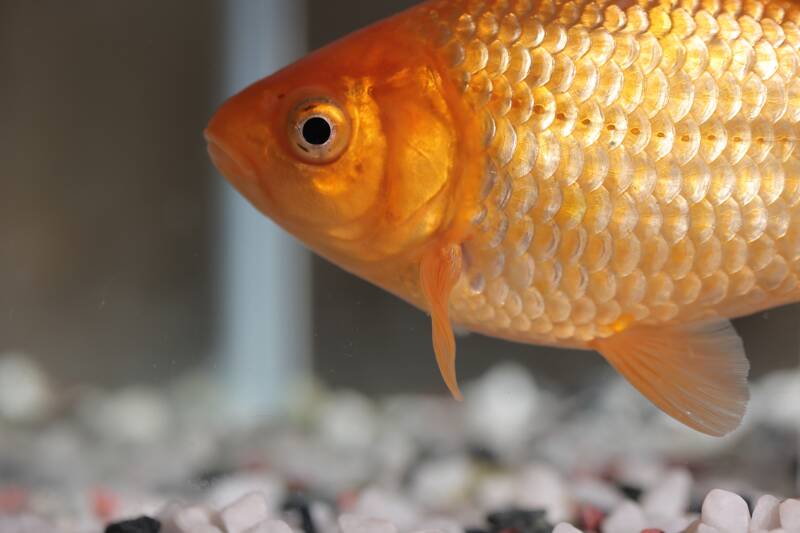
(641, 164)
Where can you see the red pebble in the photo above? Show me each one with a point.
(652, 530)
(347, 500)
(591, 517)
(13, 499)
(104, 504)
(296, 485)
(255, 461)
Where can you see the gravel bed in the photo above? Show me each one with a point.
(515, 457)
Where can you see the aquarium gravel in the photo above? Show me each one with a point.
(515, 457)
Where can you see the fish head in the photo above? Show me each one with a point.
(352, 149)
(306, 150)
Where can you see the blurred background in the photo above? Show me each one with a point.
(125, 258)
(153, 324)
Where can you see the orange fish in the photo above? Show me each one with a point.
(614, 176)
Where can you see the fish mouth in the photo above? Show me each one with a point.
(228, 162)
(239, 171)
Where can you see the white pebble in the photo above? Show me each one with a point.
(597, 492)
(205, 528)
(698, 527)
(496, 490)
(541, 487)
(186, 520)
(230, 489)
(670, 497)
(640, 471)
(244, 513)
(501, 408)
(348, 421)
(136, 415)
(438, 483)
(441, 525)
(389, 506)
(169, 526)
(323, 516)
(25, 523)
(24, 390)
(271, 526)
(692, 527)
(626, 518)
(352, 523)
(175, 518)
(765, 514)
(676, 524)
(726, 512)
(563, 527)
(789, 512)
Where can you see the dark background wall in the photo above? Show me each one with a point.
(108, 211)
(106, 206)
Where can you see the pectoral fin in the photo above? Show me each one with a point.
(696, 373)
(439, 272)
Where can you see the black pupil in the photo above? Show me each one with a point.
(316, 131)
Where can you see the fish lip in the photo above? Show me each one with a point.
(228, 161)
(239, 172)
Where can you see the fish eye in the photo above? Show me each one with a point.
(319, 130)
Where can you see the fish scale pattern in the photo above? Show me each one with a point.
(641, 161)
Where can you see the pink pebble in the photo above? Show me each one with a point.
(206, 528)
(347, 500)
(627, 517)
(13, 500)
(669, 498)
(189, 519)
(244, 513)
(790, 515)
(698, 527)
(271, 526)
(352, 523)
(591, 517)
(765, 514)
(725, 511)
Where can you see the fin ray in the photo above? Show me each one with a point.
(696, 373)
(439, 272)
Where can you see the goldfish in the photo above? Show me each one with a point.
(611, 176)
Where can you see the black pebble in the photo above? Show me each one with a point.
(211, 476)
(482, 454)
(519, 521)
(630, 492)
(297, 503)
(143, 524)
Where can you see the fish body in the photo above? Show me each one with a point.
(615, 176)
